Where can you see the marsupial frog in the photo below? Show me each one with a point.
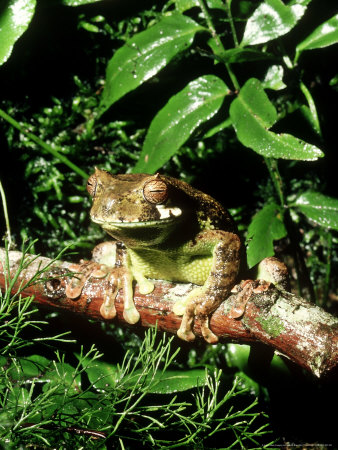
(172, 232)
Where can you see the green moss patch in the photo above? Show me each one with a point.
(272, 325)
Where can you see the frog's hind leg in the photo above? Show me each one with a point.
(185, 331)
(196, 309)
(203, 317)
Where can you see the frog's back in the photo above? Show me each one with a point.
(209, 212)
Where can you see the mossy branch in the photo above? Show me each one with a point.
(293, 327)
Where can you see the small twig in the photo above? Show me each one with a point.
(221, 49)
(75, 430)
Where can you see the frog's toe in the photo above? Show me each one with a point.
(108, 311)
(186, 335)
(145, 287)
(209, 336)
(131, 315)
(185, 331)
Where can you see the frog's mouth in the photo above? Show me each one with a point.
(167, 215)
(148, 231)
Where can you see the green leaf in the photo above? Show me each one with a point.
(272, 19)
(314, 120)
(28, 367)
(252, 114)
(334, 81)
(184, 5)
(3, 361)
(237, 55)
(145, 55)
(323, 36)
(78, 2)
(167, 382)
(265, 227)
(319, 208)
(172, 126)
(274, 78)
(172, 381)
(237, 356)
(217, 128)
(308, 116)
(62, 375)
(14, 20)
(247, 383)
(101, 374)
(19, 398)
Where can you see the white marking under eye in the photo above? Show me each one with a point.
(166, 213)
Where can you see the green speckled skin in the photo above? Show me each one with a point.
(187, 237)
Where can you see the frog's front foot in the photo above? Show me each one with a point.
(131, 315)
(108, 310)
(116, 279)
(145, 286)
(82, 273)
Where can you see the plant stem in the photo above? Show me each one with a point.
(218, 41)
(4, 206)
(312, 107)
(303, 277)
(272, 166)
(43, 145)
(231, 21)
(328, 268)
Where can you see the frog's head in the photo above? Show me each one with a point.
(134, 208)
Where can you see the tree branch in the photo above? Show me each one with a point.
(293, 327)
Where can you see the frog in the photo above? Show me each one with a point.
(170, 231)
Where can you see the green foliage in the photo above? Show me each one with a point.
(319, 208)
(59, 201)
(323, 36)
(174, 124)
(272, 19)
(252, 114)
(14, 20)
(102, 375)
(78, 2)
(146, 54)
(266, 226)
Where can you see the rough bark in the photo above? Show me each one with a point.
(293, 327)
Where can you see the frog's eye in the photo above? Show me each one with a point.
(155, 191)
(91, 185)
